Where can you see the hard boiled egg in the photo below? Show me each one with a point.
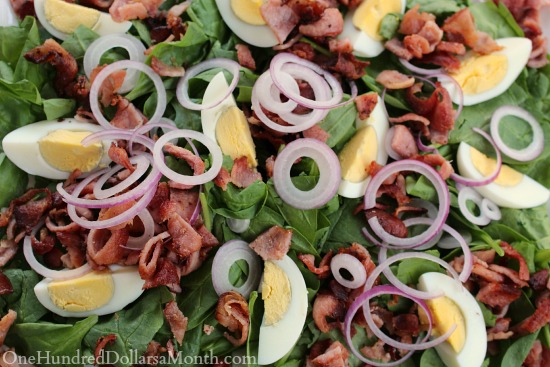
(226, 123)
(483, 77)
(467, 345)
(96, 293)
(52, 149)
(511, 189)
(61, 19)
(361, 26)
(7, 15)
(365, 146)
(285, 300)
(243, 17)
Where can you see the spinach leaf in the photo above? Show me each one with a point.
(345, 227)
(58, 340)
(238, 203)
(390, 25)
(58, 107)
(26, 70)
(340, 124)
(79, 40)
(23, 300)
(430, 358)
(23, 89)
(518, 351)
(490, 19)
(12, 180)
(409, 270)
(532, 223)
(134, 327)
(255, 305)
(438, 7)
(205, 13)
(265, 219)
(489, 317)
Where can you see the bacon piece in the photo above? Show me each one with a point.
(360, 253)
(327, 306)
(538, 319)
(104, 247)
(487, 256)
(316, 132)
(340, 45)
(539, 280)
(330, 24)
(113, 211)
(309, 11)
(451, 47)
(535, 356)
(270, 165)
(242, 175)
(437, 161)
(510, 274)
(122, 10)
(194, 161)
(500, 330)
(273, 244)
(176, 320)
(150, 254)
(280, 18)
(406, 325)
(64, 63)
(208, 239)
(23, 8)
(413, 21)
(75, 245)
(389, 222)
(245, 56)
(396, 47)
(509, 251)
(185, 240)
(393, 79)
(191, 263)
(232, 312)
(336, 355)
(420, 123)
(166, 274)
(120, 156)
(443, 59)
(25, 211)
(303, 50)
(182, 202)
(110, 86)
(5, 324)
(8, 249)
(45, 244)
(432, 34)
(163, 69)
(323, 270)
(417, 45)
(497, 294)
(460, 27)
(58, 221)
(101, 343)
(349, 66)
(5, 284)
(365, 104)
(403, 142)
(162, 194)
(127, 115)
(376, 352)
(102, 5)
(222, 179)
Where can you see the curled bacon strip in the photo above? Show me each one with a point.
(185, 239)
(150, 254)
(336, 355)
(327, 306)
(101, 343)
(5, 284)
(104, 247)
(5, 324)
(232, 312)
(176, 320)
(323, 270)
(242, 175)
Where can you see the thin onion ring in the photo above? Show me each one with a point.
(353, 266)
(468, 194)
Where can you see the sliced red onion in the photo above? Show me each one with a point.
(490, 209)
(410, 222)
(449, 242)
(534, 149)
(164, 124)
(112, 134)
(44, 271)
(182, 90)
(387, 145)
(487, 179)
(351, 264)
(213, 147)
(329, 174)
(137, 243)
(439, 185)
(136, 52)
(238, 225)
(126, 64)
(270, 97)
(226, 256)
(288, 44)
(422, 147)
(142, 162)
(197, 210)
(419, 70)
(469, 194)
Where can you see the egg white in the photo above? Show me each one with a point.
(517, 50)
(379, 121)
(215, 90)
(528, 193)
(7, 15)
(363, 44)
(21, 146)
(105, 24)
(256, 35)
(277, 340)
(128, 286)
(475, 341)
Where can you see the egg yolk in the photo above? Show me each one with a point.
(233, 136)
(478, 74)
(485, 165)
(248, 11)
(358, 154)
(276, 293)
(370, 13)
(86, 293)
(62, 150)
(446, 314)
(67, 17)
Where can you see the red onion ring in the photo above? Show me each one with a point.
(288, 44)
(238, 225)
(351, 264)
(491, 210)
(387, 145)
(269, 96)
(438, 183)
(213, 147)
(112, 134)
(488, 179)
(469, 194)
(142, 163)
(449, 242)
(329, 171)
(534, 149)
(44, 271)
(126, 64)
(422, 147)
(226, 256)
(182, 89)
(137, 243)
(419, 70)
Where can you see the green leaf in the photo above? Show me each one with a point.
(518, 351)
(437, 7)
(58, 107)
(255, 305)
(430, 358)
(23, 300)
(490, 20)
(79, 40)
(205, 13)
(489, 317)
(265, 219)
(12, 180)
(238, 203)
(532, 223)
(409, 270)
(24, 69)
(23, 89)
(345, 226)
(390, 25)
(340, 124)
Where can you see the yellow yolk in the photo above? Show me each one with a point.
(446, 314)
(248, 11)
(276, 293)
(233, 136)
(370, 13)
(358, 154)
(67, 17)
(485, 165)
(478, 74)
(62, 150)
(83, 294)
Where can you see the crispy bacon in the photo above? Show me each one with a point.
(273, 244)
(104, 247)
(163, 69)
(303, 50)
(194, 161)
(245, 56)
(365, 104)
(308, 11)
(538, 319)
(349, 66)
(328, 312)
(120, 156)
(376, 352)
(76, 249)
(101, 343)
(413, 21)
(232, 312)
(316, 132)
(280, 18)
(26, 211)
(323, 270)
(150, 254)
(122, 10)
(340, 45)
(222, 179)
(270, 165)
(58, 221)
(360, 253)
(5, 284)
(127, 115)
(497, 294)
(396, 47)
(451, 47)
(242, 175)
(162, 194)
(432, 34)
(185, 240)
(5, 324)
(500, 330)
(176, 320)
(110, 86)
(166, 274)
(510, 274)
(535, 356)
(444, 59)
(437, 161)
(102, 5)
(45, 244)
(393, 79)
(208, 239)
(182, 202)
(417, 45)
(330, 24)
(113, 211)
(460, 27)
(539, 280)
(336, 355)
(403, 142)
(406, 324)
(8, 249)
(23, 8)
(509, 251)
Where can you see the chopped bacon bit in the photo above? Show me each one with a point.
(510, 274)
(403, 142)
(376, 352)
(460, 27)
(59, 221)
(232, 312)
(365, 104)
(417, 45)
(443, 166)
(323, 270)
(185, 240)
(163, 69)
(208, 329)
(182, 202)
(101, 343)
(270, 165)
(75, 245)
(45, 244)
(389, 222)
(316, 132)
(110, 85)
(396, 47)
(127, 115)
(362, 254)
(64, 63)
(245, 56)
(191, 263)
(539, 280)
(194, 161)
(394, 186)
(222, 179)
(535, 356)
(120, 156)
(349, 66)
(5, 285)
(167, 274)
(280, 18)
(149, 256)
(162, 194)
(273, 244)
(340, 45)
(102, 5)
(540, 318)
(406, 324)
(336, 355)
(26, 211)
(104, 247)
(451, 47)
(487, 256)
(5, 324)
(242, 175)
(444, 59)
(393, 79)
(420, 123)
(308, 11)
(113, 211)
(303, 50)
(511, 252)
(330, 24)
(328, 306)
(208, 239)
(122, 10)
(500, 330)
(23, 8)
(176, 320)
(8, 249)
(497, 294)
(413, 21)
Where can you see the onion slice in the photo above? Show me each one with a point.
(353, 266)
(419, 70)
(238, 225)
(468, 194)
(137, 243)
(329, 174)
(491, 210)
